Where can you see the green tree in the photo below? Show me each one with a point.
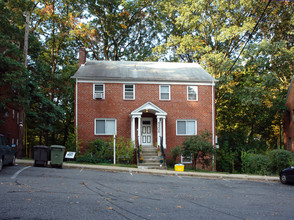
(199, 147)
(119, 29)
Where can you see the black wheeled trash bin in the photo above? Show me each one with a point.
(57, 154)
(41, 155)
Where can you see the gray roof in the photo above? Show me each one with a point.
(143, 71)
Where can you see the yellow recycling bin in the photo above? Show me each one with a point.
(179, 167)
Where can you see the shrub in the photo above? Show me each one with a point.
(255, 163)
(199, 147)
(97, 151)
(100, 151)
(225, 160)
(91, 159)
(279, 159)
(124, 150)
(175, 153)
(72, 144)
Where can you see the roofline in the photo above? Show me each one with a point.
(146, 82)
(289, 88)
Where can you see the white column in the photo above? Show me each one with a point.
(139, 129)
(158, 131)
(163, 133)
(133, 132)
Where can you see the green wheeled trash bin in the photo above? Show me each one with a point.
(41, 155)
(57, 154)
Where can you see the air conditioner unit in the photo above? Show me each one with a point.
(98, 95)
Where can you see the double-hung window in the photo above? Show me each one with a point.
(105, 126)
(192, 93)
(129, 91)
(186, 127)
(164, 92)
(99, 91)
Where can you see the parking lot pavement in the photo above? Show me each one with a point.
(162, 172)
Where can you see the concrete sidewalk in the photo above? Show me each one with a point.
(160, 172)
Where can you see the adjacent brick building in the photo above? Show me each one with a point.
(143, 101)
(288, 122)
(10, 126)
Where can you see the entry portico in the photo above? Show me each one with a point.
(144, 132)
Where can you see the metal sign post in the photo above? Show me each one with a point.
(114, 149)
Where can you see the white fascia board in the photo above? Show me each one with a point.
(149, 82)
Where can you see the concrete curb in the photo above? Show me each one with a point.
(161, 172)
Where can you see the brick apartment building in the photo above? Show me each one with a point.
(143, 101)
(288, 122)
(10, 126)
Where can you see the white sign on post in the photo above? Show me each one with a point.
(70, 155)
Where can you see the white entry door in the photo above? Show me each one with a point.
(147, 131)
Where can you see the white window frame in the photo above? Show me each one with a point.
(186, 162)
(105, 119)
(186, 120)
(193, 100)
(169, 95)
(124, 95)
(94, 91)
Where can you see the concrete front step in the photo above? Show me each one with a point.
(151, 162)
(151, 157)
(151, 167)
(149, 151)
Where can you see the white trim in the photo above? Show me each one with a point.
(124, 98)
(212, 119)
(188, 93)
(76, 104)
(151, 108)
(106, 119)
(145, 82)
(169, 95)
(186, 127)
(99, 84)
(186, 157)
(212, 115)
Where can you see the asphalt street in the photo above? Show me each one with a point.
(48, 193)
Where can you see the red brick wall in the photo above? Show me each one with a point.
(288, 123)
(288, 126)
(10, 128)
(113, 106)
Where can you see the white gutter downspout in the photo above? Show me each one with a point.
(212, 117)
(76, 115)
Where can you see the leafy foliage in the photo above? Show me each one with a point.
(101, 151)
(118, 30)
(280, 159)
(200, 147)
(175, 152)
(255, 163)
(124, 149)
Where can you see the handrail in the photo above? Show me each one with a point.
(138, 153)
(162, 150)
